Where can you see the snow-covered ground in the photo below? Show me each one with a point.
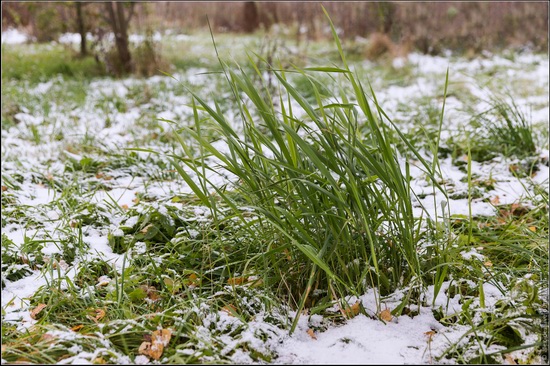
(361, 340)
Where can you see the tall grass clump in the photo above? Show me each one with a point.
(331, 204)
(510, 128)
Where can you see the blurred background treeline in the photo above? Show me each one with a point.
(399, 27)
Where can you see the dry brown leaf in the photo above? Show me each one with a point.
(230, 309)
(99, 314)
(159, 340)
(144, 348)
(496, 200)
(430, 334)
(156, 350)
(4, 188)
(353, 310)
(311, 333)
(151, 292)
(163, 336)
(193, 280)
(236, 280)
(76, 328)
(37, 310)
(385, 315)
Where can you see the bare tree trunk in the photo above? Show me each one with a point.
(81, 29)
(119, 24)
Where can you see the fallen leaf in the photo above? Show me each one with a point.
(37, 310)
(144, 348)
(163, 336)
(385, 315)
(430, 334)
(311, 333)
(99, 314)
(151, 292)
(353, 310)
(156, 350)
(236, 280)
(496, 200)
(533, 229)
(4, 188)
(192, 280)
(159, 340)
(76, 328)
(230, 309)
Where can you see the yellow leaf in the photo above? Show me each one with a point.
(37, 310)
(385, 315)
(311, 333)
(533, 229)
